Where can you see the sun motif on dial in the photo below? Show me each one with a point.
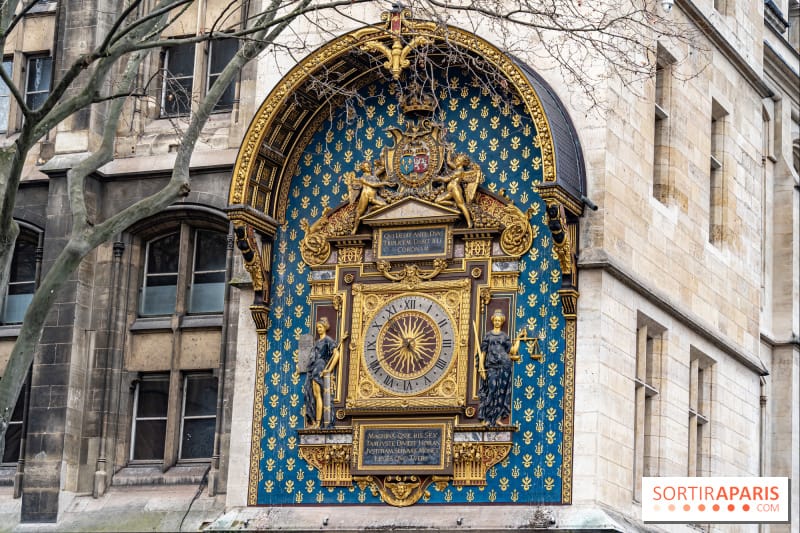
(409, 343)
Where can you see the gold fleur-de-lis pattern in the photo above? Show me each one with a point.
(495, 130)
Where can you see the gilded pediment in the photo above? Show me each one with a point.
(411, 211)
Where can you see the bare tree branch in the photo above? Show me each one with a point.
(4, 32)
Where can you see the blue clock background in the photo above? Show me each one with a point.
(497, 133)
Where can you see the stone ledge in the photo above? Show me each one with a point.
(152, 475)
(489, 517)
(7, 475)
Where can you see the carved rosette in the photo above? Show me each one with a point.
(472, 460)
(332, 461)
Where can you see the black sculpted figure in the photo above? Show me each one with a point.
(324, 357)
(495, 361)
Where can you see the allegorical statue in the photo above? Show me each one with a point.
(324, 358)
(495, 360)
(461, 184)
(453, 193)
(363, 191)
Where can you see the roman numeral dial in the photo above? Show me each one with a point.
(408, 344)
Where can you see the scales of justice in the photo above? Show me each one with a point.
(409, 366)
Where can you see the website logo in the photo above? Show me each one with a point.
(715, 499)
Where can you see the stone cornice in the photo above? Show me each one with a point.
(724, 46)
(794, 341)
(778, 69)
(774, 17)
(599, 260)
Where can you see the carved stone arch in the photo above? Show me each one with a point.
(265, 161)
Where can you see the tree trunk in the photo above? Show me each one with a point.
(9, 229)
(31, 330)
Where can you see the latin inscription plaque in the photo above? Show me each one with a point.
(416, 242)
(402, 447)
(422, 447)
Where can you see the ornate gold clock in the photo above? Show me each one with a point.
(409, 344)
(408, 273)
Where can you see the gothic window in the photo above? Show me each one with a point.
(150, 417)
(716, 207)
(180, 79)
(157, 415)
(13, 437)
(203, 273)
(40, 76)
(22, 280)
(220, 54)
(177, 79)
(208, 273)
(661, 126)
(199, 416)
(161, 276)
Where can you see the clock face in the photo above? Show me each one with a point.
(408, 344)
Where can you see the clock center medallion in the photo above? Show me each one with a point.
(410, 342)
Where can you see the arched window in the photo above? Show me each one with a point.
(22, 281)
(202, 271)
(183, 269)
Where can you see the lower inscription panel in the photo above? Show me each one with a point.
(419, 446)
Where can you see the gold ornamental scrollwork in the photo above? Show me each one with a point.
(411, 275)
(397, 56)
(332, 461)
(517, 237)
(315, 247)
(472, 460)
(397, 490)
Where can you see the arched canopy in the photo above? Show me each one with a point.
(286, 119)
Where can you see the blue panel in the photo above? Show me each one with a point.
(503, 141)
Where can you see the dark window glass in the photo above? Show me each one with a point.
(178, 78)
(5, 97)
(153, 396)
(14, 430)
(150, 418)
(219, 55)
(161, 277)
(208, 276)
(40, 72)
(150, 438)
(199, 416)
(201, 396)
(198, 438)
(22, 281)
